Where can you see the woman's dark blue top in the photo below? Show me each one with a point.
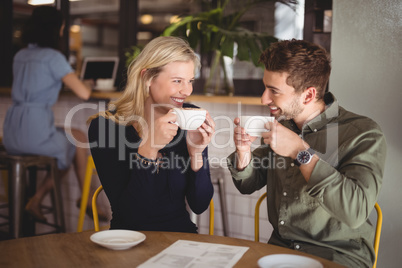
(142, 196)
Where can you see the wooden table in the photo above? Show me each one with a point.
(77, 250)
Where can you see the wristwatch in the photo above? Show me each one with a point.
(304, 157)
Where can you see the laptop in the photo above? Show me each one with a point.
(99, 68)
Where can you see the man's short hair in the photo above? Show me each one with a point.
(307, 64)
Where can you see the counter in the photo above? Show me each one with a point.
(193, 98)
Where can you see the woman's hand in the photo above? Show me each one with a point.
(197, 141)
(158, 134)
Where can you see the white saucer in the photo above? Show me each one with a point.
(288, 261)
(118, 239)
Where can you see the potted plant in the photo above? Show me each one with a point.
(216, 31)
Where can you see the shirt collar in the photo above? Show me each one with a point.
(321, 120)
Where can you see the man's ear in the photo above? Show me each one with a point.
(309, 95)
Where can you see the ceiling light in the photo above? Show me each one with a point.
(40, 2)
(44, 2)
(75, 28)
(146, 19)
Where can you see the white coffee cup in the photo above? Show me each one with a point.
(255, 125)
(189, 118)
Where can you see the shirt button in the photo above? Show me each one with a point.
(297, 246)
(292, 164)
(281, 222)
(285, 193)
(315, 130)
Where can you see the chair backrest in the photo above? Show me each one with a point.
(211, 217)
(95, 208)
(257, 217)
(96, 218)
(90, 170)
(377, 230)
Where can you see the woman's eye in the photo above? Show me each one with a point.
(191, 81)
(177, 81)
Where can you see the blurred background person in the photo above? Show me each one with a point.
(39, 69)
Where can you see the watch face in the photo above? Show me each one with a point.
(303, 157)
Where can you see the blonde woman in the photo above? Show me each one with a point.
(148, 166)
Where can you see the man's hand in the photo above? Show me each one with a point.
(283, 141)
(243, 143)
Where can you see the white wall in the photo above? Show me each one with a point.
(366, 78)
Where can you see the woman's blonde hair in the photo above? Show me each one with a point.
(156, 54)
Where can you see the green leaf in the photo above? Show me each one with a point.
(266, 41)
(176, 26)
(194, 35)
(227, 46)
(242, 49)
(255, 51)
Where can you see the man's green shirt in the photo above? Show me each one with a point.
(328, 215)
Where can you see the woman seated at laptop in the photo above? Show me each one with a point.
(39, 71)
(148, 166)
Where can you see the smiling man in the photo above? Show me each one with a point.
(319, 201)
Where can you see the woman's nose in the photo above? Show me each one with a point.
(186, 89)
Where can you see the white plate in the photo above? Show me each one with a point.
(288, 261)
(118, 239)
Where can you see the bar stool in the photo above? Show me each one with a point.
(17, 166)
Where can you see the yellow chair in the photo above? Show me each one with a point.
(377, 230)
(85, 192)
(257, 217)
(211, 217)
(95, 208)
(96, 219)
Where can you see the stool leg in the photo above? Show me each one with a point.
(16, 184)
(58, 197)
(54, 210)
(222, 195)
(28, 225)
(4, 175)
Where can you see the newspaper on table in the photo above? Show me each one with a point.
(186, 254)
